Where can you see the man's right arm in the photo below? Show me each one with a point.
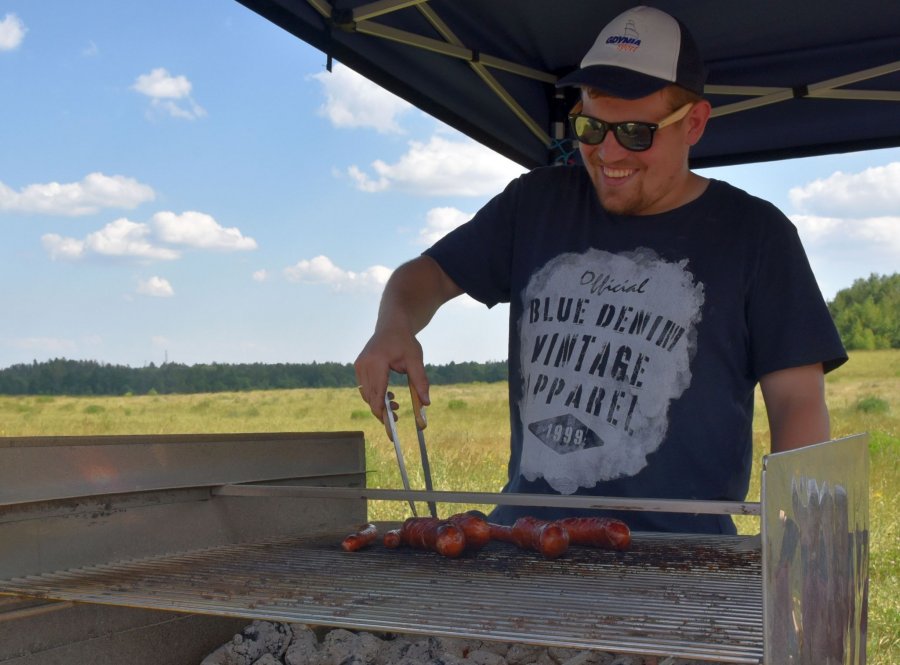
(415, 291)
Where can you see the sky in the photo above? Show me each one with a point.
(185, 182)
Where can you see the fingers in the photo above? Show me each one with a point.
(382, 354)
(418, 381)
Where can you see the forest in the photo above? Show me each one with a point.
(88, 377)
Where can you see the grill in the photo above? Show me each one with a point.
(187, 542)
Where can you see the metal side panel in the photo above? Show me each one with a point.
(90, 634)
(160, 495)
(815, 534)
(49, 468)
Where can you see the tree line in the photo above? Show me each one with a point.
(867, 316)
(88, 377)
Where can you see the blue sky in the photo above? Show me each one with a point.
(185, 181)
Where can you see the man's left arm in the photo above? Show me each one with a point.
(795, 403)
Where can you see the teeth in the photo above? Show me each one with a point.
(617, 173)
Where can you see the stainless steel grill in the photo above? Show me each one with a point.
(699, 597)
(199, 526)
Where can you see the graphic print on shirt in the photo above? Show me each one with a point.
(607, 342)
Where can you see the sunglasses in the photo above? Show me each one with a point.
(631, 134)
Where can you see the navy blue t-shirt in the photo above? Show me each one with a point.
(636, 343)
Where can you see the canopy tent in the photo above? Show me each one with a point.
(787, 78)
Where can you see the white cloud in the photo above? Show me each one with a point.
(199, 230)
(156, 287)
(353, 101)
(439, 222)
(814, 229)
(872, 236)
(95, 192)
(123, 237)
(159, 240)
(119, 238)
(441, 168)
(62, 248)
(169, 94)
(261, 275)
(321, 270)
(873, 192)
(12, 32)
(851, 213)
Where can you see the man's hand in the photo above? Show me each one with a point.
(412, 295)
(795, 403)
(389, 350)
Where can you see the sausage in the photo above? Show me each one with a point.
(476, 529)
(392, 539)
(434, 535)
(529, 533)
(603, 532)
(364, 536)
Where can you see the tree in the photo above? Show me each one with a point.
(867, 314)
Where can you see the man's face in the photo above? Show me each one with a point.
(639, 183)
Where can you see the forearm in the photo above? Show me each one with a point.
(795, 403)
(412, 296)
(806, 424)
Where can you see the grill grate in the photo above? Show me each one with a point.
(689, 596)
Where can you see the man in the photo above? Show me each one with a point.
(646, 302)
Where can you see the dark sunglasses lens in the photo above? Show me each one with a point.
(634, 135)
(588, 130)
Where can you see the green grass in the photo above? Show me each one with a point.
(468, 431)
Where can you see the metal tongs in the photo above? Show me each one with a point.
(421, 423)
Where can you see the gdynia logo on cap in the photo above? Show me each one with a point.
(629, 40)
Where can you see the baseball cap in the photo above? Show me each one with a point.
(641, 51)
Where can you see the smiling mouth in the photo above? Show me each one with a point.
(610, 172)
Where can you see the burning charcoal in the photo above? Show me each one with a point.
(485, 657)
(544, 658)
(256, 640)
(500, 648)
(627, 660)
(268, 659)
(342, 647)
(590, 658)
(455, 646)
(524, 654)
(392, 651)
(304, 646)
(561, 654)
(422, 651)
(448, 659)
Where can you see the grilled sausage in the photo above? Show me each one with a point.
(603, 532)
(530, 533)
(392, 539)
(364, 536)
(434, 535)
(476, 529)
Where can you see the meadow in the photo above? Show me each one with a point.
(468, 439)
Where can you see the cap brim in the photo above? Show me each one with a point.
(615, 81)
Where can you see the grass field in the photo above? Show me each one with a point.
(468, 439)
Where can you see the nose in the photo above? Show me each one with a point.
(607, 151)
(610, 150)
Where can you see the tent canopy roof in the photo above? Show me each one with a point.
(787, 78)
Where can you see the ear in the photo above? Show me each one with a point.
(696, 120)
